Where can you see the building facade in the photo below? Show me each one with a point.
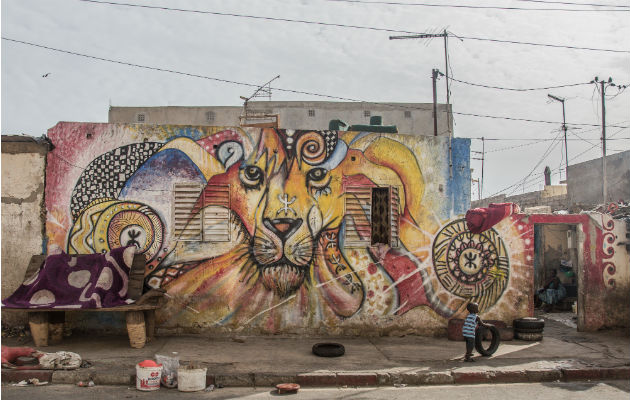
(410, 118)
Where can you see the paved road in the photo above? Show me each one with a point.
(518, 391)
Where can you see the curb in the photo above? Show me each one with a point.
(346, 378)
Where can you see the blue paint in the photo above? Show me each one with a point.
(458, 188)
(191, 132)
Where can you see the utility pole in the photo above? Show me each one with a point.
(602, 89)
(434, 77)
(482, 159)
(564, 128)
(444, 35)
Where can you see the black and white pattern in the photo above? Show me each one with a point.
(106, 175)
(331, 141)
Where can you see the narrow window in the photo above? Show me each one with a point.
(357, 218)
(210, 116)
(407, 114)
(366, 113)
(140, 118)
(381, 216)
(311, 113)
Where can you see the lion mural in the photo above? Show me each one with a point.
(285, 230)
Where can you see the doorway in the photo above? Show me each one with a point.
(556, 252)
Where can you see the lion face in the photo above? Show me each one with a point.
(290, 199)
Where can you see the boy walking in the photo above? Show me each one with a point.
(469, 329)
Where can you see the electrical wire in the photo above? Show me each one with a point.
(277, 19)
(573, 4)
(277, 88)
(395, 3)
(515, 89)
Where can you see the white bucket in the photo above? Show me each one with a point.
(191, 379)
(148, 378)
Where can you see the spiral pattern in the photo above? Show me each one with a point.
(312, 148)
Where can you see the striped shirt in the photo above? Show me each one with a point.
(470, 324)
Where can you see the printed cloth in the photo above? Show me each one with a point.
(470, 325)
(72, 282)
(481, 219)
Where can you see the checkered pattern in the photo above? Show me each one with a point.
(331, 141)
(106, 175)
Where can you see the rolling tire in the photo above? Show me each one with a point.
(494, 344)
(530, 337)
(529, 323)
(523, 330)
(328, 349)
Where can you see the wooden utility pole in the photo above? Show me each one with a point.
(564, 128)
(434, 77)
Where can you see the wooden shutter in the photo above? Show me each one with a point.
(395, 216)
(187, 227)
(358, 208)
(216, 221)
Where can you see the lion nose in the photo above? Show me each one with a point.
(283, 227)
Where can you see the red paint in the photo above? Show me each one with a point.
(372, 269)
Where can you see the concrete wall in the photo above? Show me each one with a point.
(323, 276)
(603, 265)
(554, 196)
(410, 118)
(23, 212)
(585, 180)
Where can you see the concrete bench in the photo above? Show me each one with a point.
(47, 323)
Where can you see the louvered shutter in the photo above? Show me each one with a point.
(395, 216)
(358, 208)
(187, 227)
(216, 221)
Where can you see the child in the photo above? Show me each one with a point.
(469, 329)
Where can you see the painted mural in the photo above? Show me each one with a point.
(287, 230)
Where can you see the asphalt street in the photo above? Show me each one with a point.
(611, 390)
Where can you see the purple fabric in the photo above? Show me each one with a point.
(70, 281)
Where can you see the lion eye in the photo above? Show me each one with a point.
(251, 176)
(316, 174)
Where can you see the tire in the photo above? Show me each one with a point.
(523, 330)
(530, 337)
(328, 349)
(529, 323)
(494, 344)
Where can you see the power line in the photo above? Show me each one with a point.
(516, 89)
(573, 4)
(275, 88)
(277, 19)
(394, 3)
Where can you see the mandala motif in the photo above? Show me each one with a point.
(471, 265)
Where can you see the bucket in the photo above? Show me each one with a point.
(191, 379)
(148, 374)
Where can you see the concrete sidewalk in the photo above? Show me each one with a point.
(564, 354)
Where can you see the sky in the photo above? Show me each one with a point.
(41, 87)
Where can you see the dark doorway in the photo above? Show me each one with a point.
(381, 222)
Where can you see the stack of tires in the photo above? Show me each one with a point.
(529, 328)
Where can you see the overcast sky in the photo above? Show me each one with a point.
(352, 63)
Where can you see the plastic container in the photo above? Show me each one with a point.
(148, 374)
(191, 379)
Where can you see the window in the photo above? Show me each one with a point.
(366, 113)
(311, 113)
(407, 114)
(371, 216)
(140, 118)
(210, 116)
(201, 213)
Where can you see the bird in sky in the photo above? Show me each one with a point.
(46, 75)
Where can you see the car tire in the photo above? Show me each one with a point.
(523, 330)
(328, 349)
(494, 344)
(530, 337)
(529, 323)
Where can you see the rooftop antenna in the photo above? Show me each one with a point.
(263, 90)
